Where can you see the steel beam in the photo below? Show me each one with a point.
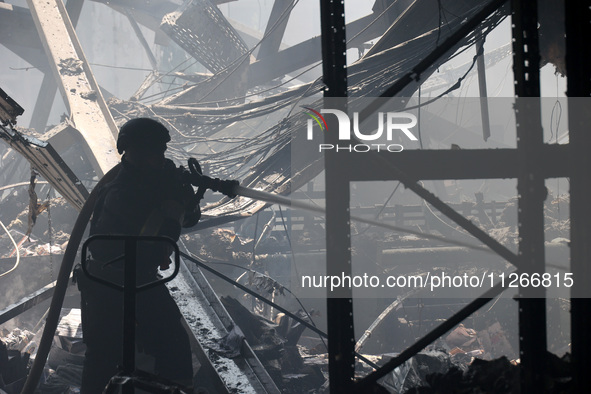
(44, 103)
(142, 39)
(48, 88)
(88, 110)
(532, 193)
(26, 303)
(259, 297)
(578, 67)
(341, 338)
(201, 308)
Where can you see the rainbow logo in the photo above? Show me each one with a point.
(316, 115)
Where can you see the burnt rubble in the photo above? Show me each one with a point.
(15, 350)
(231, 95)
(498, 376)
(296, 360)
(275, 343)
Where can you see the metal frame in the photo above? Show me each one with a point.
(130, 290)
(339, 315)
(532, 193)
(529, 169)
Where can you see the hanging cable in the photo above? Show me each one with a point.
(439, 12)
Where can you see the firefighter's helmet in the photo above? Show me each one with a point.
(142, 133)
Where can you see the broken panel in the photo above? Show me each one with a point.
(48, 162)
(202, 30)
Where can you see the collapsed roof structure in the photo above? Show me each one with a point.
(244, 113)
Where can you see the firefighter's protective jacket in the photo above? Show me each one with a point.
(144, 202)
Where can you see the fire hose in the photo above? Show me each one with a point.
(230, 188)
(62, 283)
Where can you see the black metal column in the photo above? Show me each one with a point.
(532, 193)
(578, 67)
(341, 339)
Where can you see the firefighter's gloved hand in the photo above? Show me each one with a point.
(227, 187)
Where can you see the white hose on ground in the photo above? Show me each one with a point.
(16, 248)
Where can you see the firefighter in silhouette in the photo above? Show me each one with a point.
(149, 196)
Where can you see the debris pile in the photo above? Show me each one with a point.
(224, 244)
(15, 351)
(64, 365)
(275, 344)
(498, 376)
(63, 371)
(467, 344)
(48, 235)
(419, 367)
